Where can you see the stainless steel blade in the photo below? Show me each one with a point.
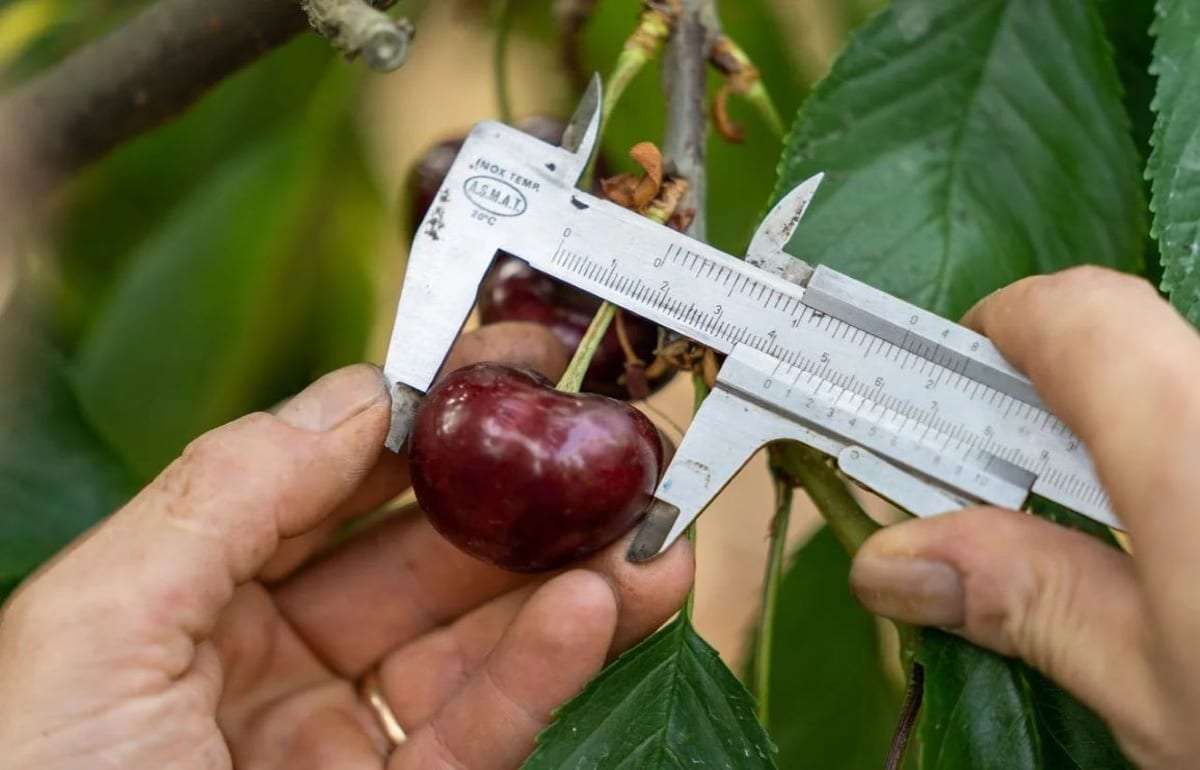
(766, 249)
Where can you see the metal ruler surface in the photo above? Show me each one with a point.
(919, 409)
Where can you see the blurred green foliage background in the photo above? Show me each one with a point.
(215, 266)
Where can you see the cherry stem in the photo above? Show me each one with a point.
(700, 391)
(733, 61)
(689, 604)
(760, 99)
(771, 581)
(847, 520)
(504, 10)
(631, 355)
(643, 44)
(572, 379)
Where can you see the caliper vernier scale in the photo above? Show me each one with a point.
(920, 410)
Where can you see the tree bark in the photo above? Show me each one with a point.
(684, 84)
(136, 78)
(153, 68)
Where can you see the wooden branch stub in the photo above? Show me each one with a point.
(360, 28)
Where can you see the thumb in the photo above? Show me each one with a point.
(157, 574)
(1062, 601)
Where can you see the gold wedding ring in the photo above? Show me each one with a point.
(371, 691)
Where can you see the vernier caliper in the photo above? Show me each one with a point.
(920, 410)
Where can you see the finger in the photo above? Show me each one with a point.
(558, 641)
(388, 479)
(388, 585)
(1062, 601)
(385, 481)
(422, 675)
(159, 571)
(1120, 367)
(515, 343)
(317, 727)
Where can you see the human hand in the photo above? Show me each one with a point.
(196, 629)
(1122, 370)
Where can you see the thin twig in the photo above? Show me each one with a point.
(684, 82)
(643, 44)
(907, 719)
(807, 467)
(770, 601)
(741, 77)
(360, 28)
(573, 16)
(504, 22)
(131, 81)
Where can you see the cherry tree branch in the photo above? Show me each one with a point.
(684, 84)
(359, 27)
(151, 69)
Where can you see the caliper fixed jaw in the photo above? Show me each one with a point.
(490, 201)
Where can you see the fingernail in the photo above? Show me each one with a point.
(909, 588)
(335, 398)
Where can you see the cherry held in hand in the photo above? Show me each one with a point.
(527, 477)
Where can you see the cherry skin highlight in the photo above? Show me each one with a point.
(527, 477)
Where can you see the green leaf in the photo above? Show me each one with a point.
(976, 712)
(967, 145)
(346, 249)
(832, 705)
(1073, 738)
(668, 703)
(987, 712)
(1128, 25)
(984, 711)
(116, 206)
(215, 316)
(1174, 167)
(56, 477)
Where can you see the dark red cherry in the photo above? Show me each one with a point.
(514, 291)
(527, 477)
